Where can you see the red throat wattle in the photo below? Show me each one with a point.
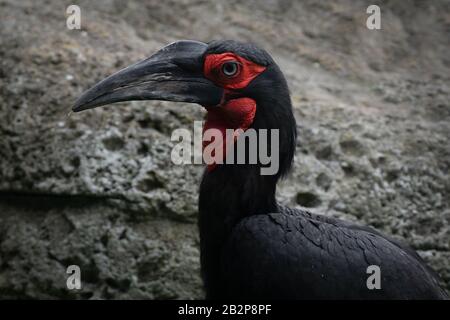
(234, 114)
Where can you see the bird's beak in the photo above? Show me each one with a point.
(174, 73)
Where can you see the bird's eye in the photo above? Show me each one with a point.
(230, 68)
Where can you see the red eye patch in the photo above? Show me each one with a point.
(247, 70)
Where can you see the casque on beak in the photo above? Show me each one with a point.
(174, 73)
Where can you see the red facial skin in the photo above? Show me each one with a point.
(234, 113)
(248, 70)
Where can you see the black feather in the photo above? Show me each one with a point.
(253, 248)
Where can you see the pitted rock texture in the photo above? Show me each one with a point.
(98, 189)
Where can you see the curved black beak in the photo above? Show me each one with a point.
(174, 73)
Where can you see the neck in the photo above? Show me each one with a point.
(230, 193)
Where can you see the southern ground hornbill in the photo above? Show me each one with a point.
(251, 246)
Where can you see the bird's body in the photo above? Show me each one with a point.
(312, 257)
(252, 247)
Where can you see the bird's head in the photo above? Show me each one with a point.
(238, 83)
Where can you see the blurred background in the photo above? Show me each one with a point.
(98, 189)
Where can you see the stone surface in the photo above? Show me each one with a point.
(98, 189)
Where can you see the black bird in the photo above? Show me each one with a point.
(251, 246)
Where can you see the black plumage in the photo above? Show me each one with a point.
(251, 246)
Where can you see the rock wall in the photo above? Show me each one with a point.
(98, 189)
